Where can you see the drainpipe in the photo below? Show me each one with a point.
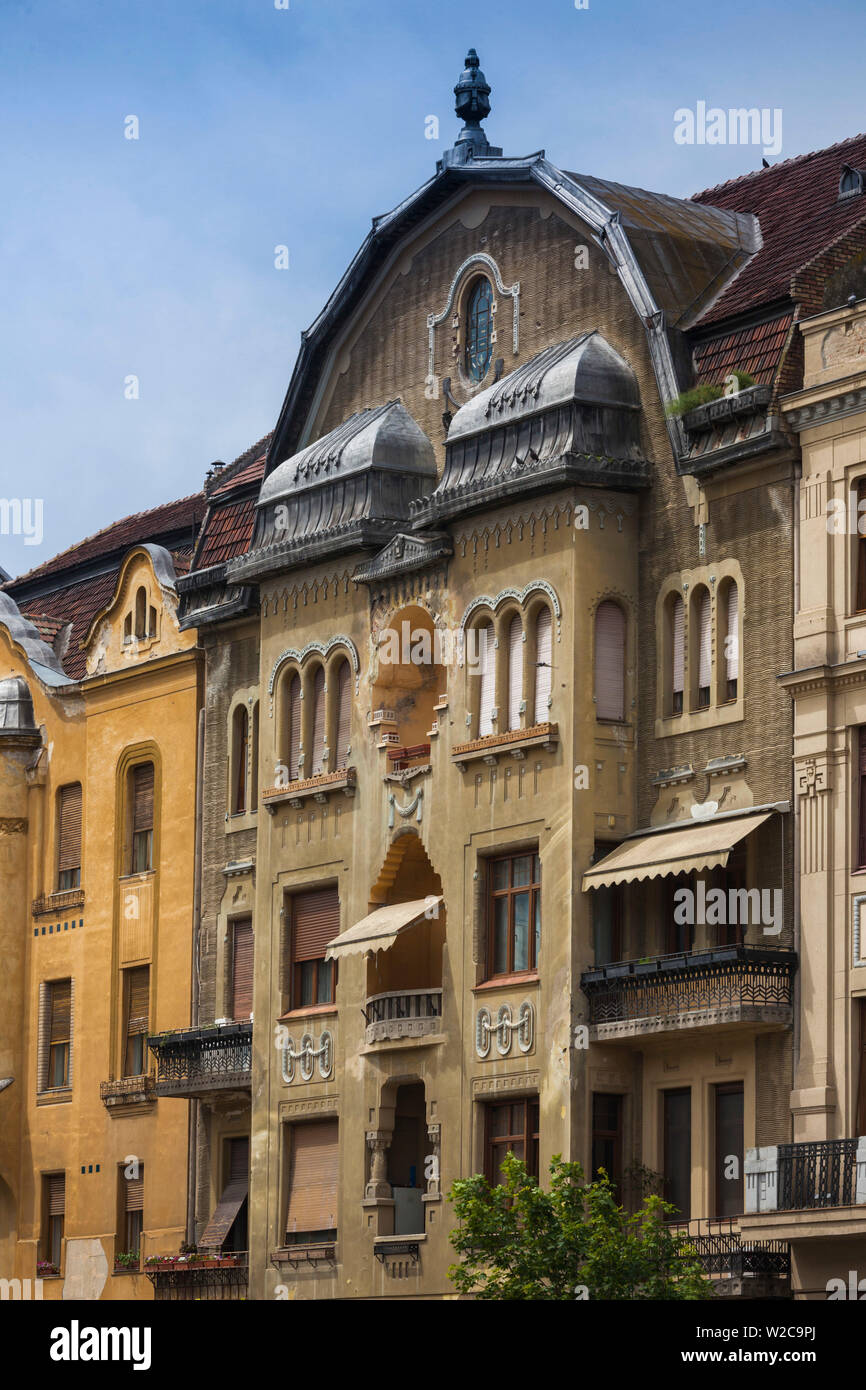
(798, 469)
(195, 983)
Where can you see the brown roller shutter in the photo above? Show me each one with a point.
(56, 1194)
(315, 922)
(515, 671)
(233, 1195)
(610, 661)
(142, 797)
(704, 641)
(294, 728)
(318, 763)
(487, 677)
(543, 665)
(134, 1191)
(344, 715)
(313, 1188)
(678, 641)
(61, 1011)
(242, 970)
(138, 999)
(239, 1158)
(69, 856)
(861, 550)
(861, 857)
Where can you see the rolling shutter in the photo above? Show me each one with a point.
(861, 858)
(704, 644)
(315, 922)
(317, 765)
(515, 671)
(61, 1011)
(313, 1187)
(233, 1196)
(732, 652)
(142, 797)
(294, 728)
(487, 691)
(69, 853)
(344, 715)
(138, 999)
(242, 970)
(609, 661)
(56, 1194)
(543, 665)
(678, 639)
(134, 1191)
(861, 550)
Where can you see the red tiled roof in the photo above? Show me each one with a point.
(797, 204)
(251, 473)
(46, 626)
(755, 350)
(77, 604)
(229, 532)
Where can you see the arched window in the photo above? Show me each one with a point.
(294, 729)
(678, 652)
(515, 671)
(543, 664)
(317, 766)
(141, 613)
(732, 641)
(486, 672)
(609, 661)
(702, 611)
(151, 622)
(240, 745)
(254, 760)
(344, 715)
(479, 329)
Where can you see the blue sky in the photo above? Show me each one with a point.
(261, 127)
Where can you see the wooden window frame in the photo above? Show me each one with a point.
(57, 1043)
(296, 968)
(52, 1233)
(720, 1089)
(473, 370)
(141, 840)
(533, 888)
(68, 878)
(134, 1041)
(497, 1146)
(602, 1133)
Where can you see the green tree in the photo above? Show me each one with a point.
(517, 1241)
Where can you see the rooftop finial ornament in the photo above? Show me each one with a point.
(472, 105)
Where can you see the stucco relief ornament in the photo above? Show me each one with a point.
(306, 1056)
(811, 779)
(416, 803)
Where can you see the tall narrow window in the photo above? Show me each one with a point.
(861, 782)
(511, 1127)
(344, 714)
(315, 920)
(704, 653)
(860, 597)
(311, 1216)
(227, 1228)
(59, 1021)
(729, 1150)
(677, 1142)
(141, 613)
(487, 679)
(679, 932)
(142, 818)
(69, 838)
(318, 763)
(240, 748)
(294, 731)
(678, 654)
(54, 1199)
(514, 914)
(137, 1003)
(609, 661)
(732, 641)
(242, 970)
(132, 1209)
(515, 671)
(479, 329)
(607, 923)
(607, 1138)
(254, 760)
(543, 665)
(860, 1034)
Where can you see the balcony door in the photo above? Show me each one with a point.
(729, 1150)
(677, 1150)
(607, 1138)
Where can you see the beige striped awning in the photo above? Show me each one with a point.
(700, 845)
(379, 930)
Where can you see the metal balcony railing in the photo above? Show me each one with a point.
(724, 1254)
(818, 1174)
(197, 1061)
(411, 1013)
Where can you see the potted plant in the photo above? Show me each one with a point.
(46, 1270)
(127, 1262)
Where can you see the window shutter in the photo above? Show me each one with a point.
(242, 969)
(294, 728)
(861, 550)
(543, 665)
(239, 1159)
(313, 1189)
(704, 648)
(61, 1011)
(134, 1191)
(515, 671)
(315, 922)
(69, 856)
(142, 797)
(317, 765)
(56, 1194)
(344, 715)
(861, 855)
(487, 691)
(609, 661)
(679, 616)
(732, 652)
(138, 999)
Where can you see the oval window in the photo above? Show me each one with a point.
(479, 329)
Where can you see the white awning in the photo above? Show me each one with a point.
(680, 850)
(379, 930)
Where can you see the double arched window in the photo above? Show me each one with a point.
(479, 329)
(316, 718)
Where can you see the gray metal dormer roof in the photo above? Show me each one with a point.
(43, 661)
(349, 490)
(16, 708)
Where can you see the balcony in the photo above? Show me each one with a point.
(814, 1190)
(195, 1278)
(412, 1013)
(515, 744)
(714, 988)
(50, 904)
(343, 779)
(203, 1062)
(128, 1092)
(738, 1267)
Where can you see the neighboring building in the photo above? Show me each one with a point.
(99, 700)
(812, 1192)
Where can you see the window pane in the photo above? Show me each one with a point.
(326, 971)
(308, 980)
(499, 1120)
(500, 936)
(517, 1149)
(536, 869)
(537, 928)
(523, 871)
(517, 1118)
(500, 873)
(521, 931)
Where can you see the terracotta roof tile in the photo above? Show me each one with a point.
(250, 473)
(229, 532)
(755, 350)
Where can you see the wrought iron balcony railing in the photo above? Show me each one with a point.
(408, 1013)
(806, 1177)
(128, 1091)
(199, 1061)
(722, 984)
(724, 1254)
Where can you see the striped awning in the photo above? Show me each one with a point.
(379, 930)
(679, 850)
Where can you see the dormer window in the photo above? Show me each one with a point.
(479, 329)
(851, 182)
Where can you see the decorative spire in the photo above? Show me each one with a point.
(472, 105)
